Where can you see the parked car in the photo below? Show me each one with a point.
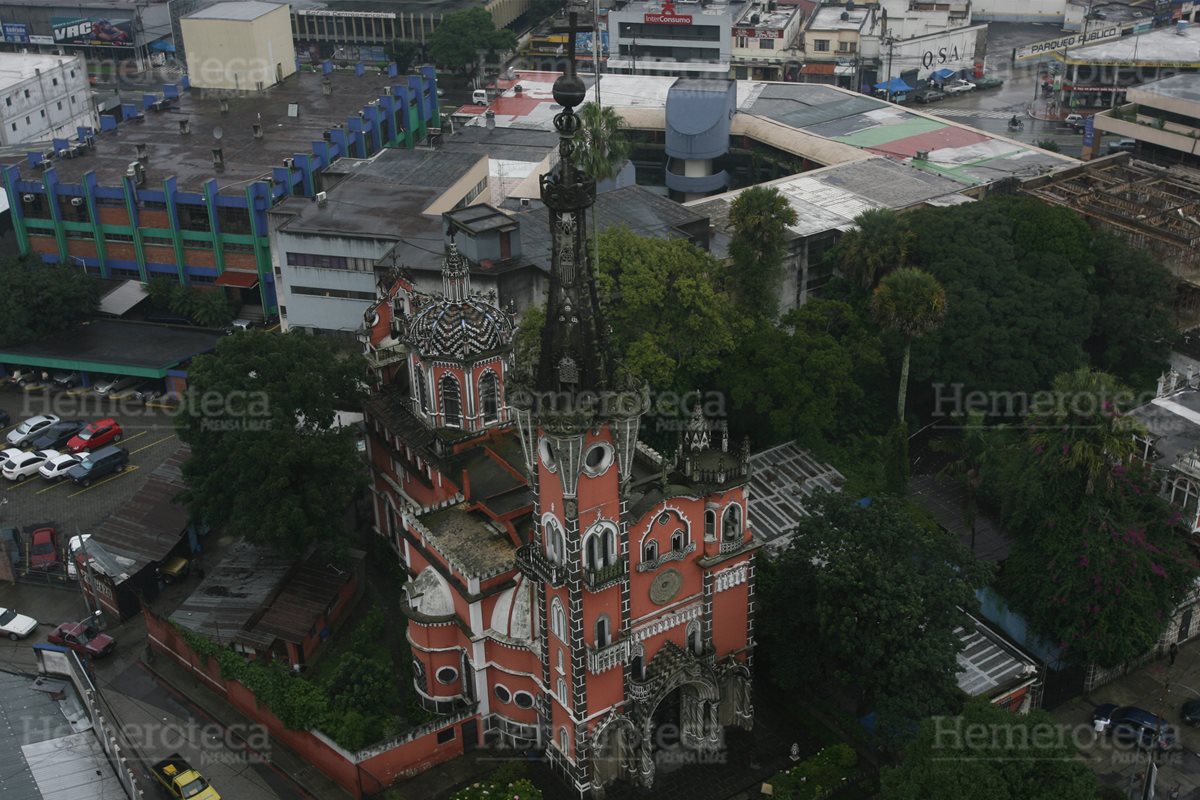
(66, 379)
(97, 434)
(175, 569)
(98, 464)
(928, 95)
(43, 549)
(988, 82)
(57, 464)
(18, 468)
(57, 435)
(241, 325)
(75, 544)
(16, 626)
(83, 638)
(958, 87)
(1134, 726)
(1191, 713)
(8, 453)
(114, 384)
(1075, 121)
(22, 376)
(20, 435)
(1122, 146)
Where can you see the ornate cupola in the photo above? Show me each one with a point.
(460, 347)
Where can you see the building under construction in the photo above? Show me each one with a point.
(1156, 208)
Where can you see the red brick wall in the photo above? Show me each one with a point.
(241, 261)
(153, 218)
(159, 254)
(198, 258)
(110, 215)
(41, 243)
(122, 251)
(82, 248)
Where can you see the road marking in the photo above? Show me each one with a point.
(123, 473)
(131, 438)
(147, 447)
(22, 484)
(61, 482)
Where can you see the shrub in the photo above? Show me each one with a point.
(489, 790)
(818, 776)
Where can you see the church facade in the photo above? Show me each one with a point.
(586, 595)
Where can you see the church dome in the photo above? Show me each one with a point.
(429, 594)
(459, 324)
(512, 618)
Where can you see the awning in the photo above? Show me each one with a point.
(894, 85)
(817, 69)
(127, 295)
(163, 46)
(942, 74)
(242, 280)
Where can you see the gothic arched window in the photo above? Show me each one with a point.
(731, 524)
(451, 402)
(489, 397)
(558, 619)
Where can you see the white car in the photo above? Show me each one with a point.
(56, 464)
(16, 626)
(958, 87)
(30, 428)
(74, 546)
(115, 384)
(20, 467)
(8, 453)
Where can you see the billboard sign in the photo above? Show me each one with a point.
(1089, 132)
(37, 38)
(16, 32)
(583, 43)
(93, 32)
(1066, 42)
(667, 19)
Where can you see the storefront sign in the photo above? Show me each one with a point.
(668, 19)
(92, 32)
(36, 38)
(940, 56)
(1066, 42)
(16, 32)
(758, 33)
(1089, 132)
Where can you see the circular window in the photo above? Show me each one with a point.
(502, 694)
(546, 451)
(418, 669)
(447, 675)
(598, 458)
(523, 700)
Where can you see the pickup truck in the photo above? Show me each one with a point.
(182, 781)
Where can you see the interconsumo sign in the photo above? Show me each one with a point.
(667, 16)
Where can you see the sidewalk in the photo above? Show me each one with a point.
(301, 773)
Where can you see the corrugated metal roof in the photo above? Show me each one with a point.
(782, 480)
(987, 662)
(124, 297)
(305, 596)
(72, 767)
(150, 524)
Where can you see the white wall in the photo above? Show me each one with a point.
(1018, 10)
(326, 313)
(952, 50)
(42, 98)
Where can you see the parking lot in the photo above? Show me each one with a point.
(149, 436)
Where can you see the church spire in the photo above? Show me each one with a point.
(572, 356)
(456, 276)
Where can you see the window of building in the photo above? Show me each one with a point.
(14, 126)
(695, 642)
(446, 735)
(637, 667)
(60, 105)
(423, 389)
(72, 73)
(559, 664)
(731, 526)
(314, 291)
(451, 402)
(678, 540)
(26, 93)
(766, 44)
(446, 675)
(603, 631)
(419, 673)
(489, 397)
(562, 691)
(523, 700)
(42, 112)
(72, 98)
(502, 693)
(650, 551)
(847, 47)
(564, 740)
(28, 121)
(710, 523)
(558, 619)
(556, 542)
(821, 45)
(742, 41)
(8, 101)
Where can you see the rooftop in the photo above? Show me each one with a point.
(1173, 423)
(17, 67)
(1166, 46)
(988, 662)
(767, 19)
(1178, 87)
(240, 10)
(942, 498)
(682, 8)
(782, 479)
(472, 545)
(831, 19)
(189, 156)
(118, 347)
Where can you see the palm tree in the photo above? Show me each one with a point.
(603, 148)
(760, 216)
(912, 303)
(878, 244)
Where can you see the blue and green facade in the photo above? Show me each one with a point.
(143, 231)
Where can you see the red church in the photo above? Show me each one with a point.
(586, 595)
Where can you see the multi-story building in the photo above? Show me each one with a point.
(578, 589)
(1163, 117)
(44, 97)
(766, 42)
(1101, 75)
(688, 38)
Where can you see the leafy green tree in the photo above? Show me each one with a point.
(880, 592)
(807, 379)
(266, 461)
(759, 216)
(40, 300)
(1050, 145)
(463, 36)
(211, 309)
(182, 300)
(669, 322)
(527, 341)
(879, 243)
(362, 683)
(403, 54)
(912, 303)
(159, 291)
(1133, 326)
(989, 753)
(602, 148)
(967, 449)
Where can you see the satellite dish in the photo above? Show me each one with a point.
(218, 132)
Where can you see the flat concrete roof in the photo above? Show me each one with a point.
(189, 156)
(830, 19)
(18, 67)
(117, 347)
(1178, 87)
(767, 20)
(1162, 46)
(244, 10)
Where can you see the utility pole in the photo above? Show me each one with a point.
(891, 43)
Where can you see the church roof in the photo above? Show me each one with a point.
(512, 618)
(458, 324)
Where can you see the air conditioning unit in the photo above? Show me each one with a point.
(289, 163)
(77, 201)
(321, 198)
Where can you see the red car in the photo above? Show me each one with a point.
(43, 549)
(97, 434)
(83, 639)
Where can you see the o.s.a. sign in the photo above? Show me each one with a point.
(940, 56)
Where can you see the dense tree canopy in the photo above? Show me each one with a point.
(865, 602)
(911, 303)
(878, 244)
(463, 37)
(759, 216)
(990, 753)
(266, 460)
(40, 299)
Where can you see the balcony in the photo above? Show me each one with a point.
(597, 579)
(602, 659)
(533, 562)
(731, 545)
(1145, 129)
